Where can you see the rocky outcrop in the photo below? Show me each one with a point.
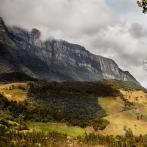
(56, 60)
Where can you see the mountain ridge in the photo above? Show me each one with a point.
(55, 60)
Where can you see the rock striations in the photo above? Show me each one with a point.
(52, 60)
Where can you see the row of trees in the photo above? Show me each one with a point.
(53, 139)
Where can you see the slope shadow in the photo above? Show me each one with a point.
(73, 102)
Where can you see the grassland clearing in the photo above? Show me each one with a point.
(56, 127)
(120, 119)
(14, 91)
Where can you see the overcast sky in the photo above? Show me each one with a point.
(112, 28)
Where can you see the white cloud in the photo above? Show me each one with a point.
(60, 17)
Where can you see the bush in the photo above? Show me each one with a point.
(100, 124)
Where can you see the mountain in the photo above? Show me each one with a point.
(24, 52)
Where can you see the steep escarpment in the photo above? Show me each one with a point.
(53, 60)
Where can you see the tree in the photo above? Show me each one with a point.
(128, 133)
(143, 4)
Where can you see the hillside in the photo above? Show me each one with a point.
(74, 108)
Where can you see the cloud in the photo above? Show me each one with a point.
(111, 28)
(58, 17)
(138, 30)
(123, 6)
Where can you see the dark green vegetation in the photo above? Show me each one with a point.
(73, 89)
(73, 102)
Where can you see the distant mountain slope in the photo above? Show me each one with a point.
(53, 60)
(76, 103)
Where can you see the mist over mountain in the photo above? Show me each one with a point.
(24, 52)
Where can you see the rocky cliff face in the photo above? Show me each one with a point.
(54, 60)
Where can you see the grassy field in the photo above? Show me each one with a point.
(135, 118)
(111, 105)
(14, 94)
(137, 97)
(15, 91)
(120, 121)
(56, 127)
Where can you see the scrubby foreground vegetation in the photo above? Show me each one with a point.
(37, 139)
(108, 113)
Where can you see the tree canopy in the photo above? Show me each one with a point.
(143, 4)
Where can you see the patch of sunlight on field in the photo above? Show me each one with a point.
(119, 119)
(18, 95)
(111, 105)
(126, 119)
(138, 97)
(57, 127)
(14, 91)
